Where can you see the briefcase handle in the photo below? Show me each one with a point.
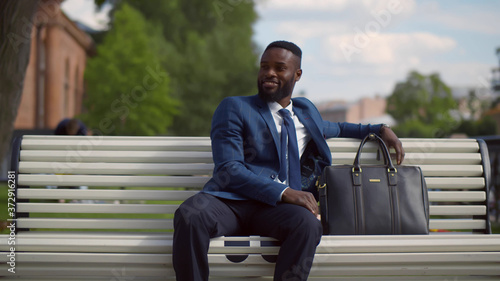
(385, 152)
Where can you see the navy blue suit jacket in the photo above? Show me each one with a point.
(246, 145)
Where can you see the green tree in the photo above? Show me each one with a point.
(210, 56)
(475, 123)
(483, 127)
(422, 106)
(127, 87)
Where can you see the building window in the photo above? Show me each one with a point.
(76, 98)
(65, 101)
(40, 85)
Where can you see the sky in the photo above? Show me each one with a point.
(362, 48)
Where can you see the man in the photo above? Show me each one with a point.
(251, 191)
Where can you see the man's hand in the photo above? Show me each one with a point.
(301, 198)
(391, 140)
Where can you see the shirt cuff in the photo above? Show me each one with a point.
(281, 195)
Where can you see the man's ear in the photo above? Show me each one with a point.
(298, 74)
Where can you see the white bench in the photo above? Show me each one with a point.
(91, 237)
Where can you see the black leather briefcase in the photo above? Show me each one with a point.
(373, 199)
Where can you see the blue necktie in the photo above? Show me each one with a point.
(293, 164)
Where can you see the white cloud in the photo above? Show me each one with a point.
(465, 16)
(471, 74)
(484, 22)
(301, 5)
(385, 48)
(302, 31)
(394, 6)
(336, 6)
(85, 12)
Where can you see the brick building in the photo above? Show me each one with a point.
(53, 85)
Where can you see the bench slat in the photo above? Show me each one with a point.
(94, 194)
(413, 158)
(170, 209)
(162, 243)
(194, 143)
(97, 208)
(196, 169)
(195, 181)
(101, 194)
(97, 223)
(411, 146)
(452, 170)
(457, 196)
(456, 224)
(74, 157)
(174, 195)
(445, 170)
(97, 137)
(87, 144)
(265, 278)
(115, 181)
(70, 158)
(457, 210)
(116, 168)
(253, 265)
(337, 258)
(454, 183)
(103, 223)
(92, 270)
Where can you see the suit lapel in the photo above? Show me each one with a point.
(308, 122)
(314, 131)
(268, 118)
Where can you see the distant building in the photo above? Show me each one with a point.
(53, 85)
(365, 110)
(495, 80)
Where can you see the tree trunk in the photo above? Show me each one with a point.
(16, 22)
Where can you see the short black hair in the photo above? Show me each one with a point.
(286, 45)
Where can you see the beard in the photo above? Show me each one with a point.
(279, 94)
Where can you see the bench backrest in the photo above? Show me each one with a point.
(136, 183)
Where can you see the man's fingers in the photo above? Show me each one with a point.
(313, 205)
(400, 153)
(301, 198)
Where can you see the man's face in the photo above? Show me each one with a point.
(279, 70)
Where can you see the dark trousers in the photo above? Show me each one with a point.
(204, 216)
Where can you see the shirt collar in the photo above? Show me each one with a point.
(275, 107)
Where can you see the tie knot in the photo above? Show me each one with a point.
(284, 113)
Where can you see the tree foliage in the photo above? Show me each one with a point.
(128, 90)
(209, 54)
(485, 126)
(422, 106)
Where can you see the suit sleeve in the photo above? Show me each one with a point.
(231, 172)
(339, 129)
(348, 130)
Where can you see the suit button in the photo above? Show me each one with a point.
(273, 176)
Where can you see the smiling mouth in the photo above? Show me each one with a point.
(270, 84)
